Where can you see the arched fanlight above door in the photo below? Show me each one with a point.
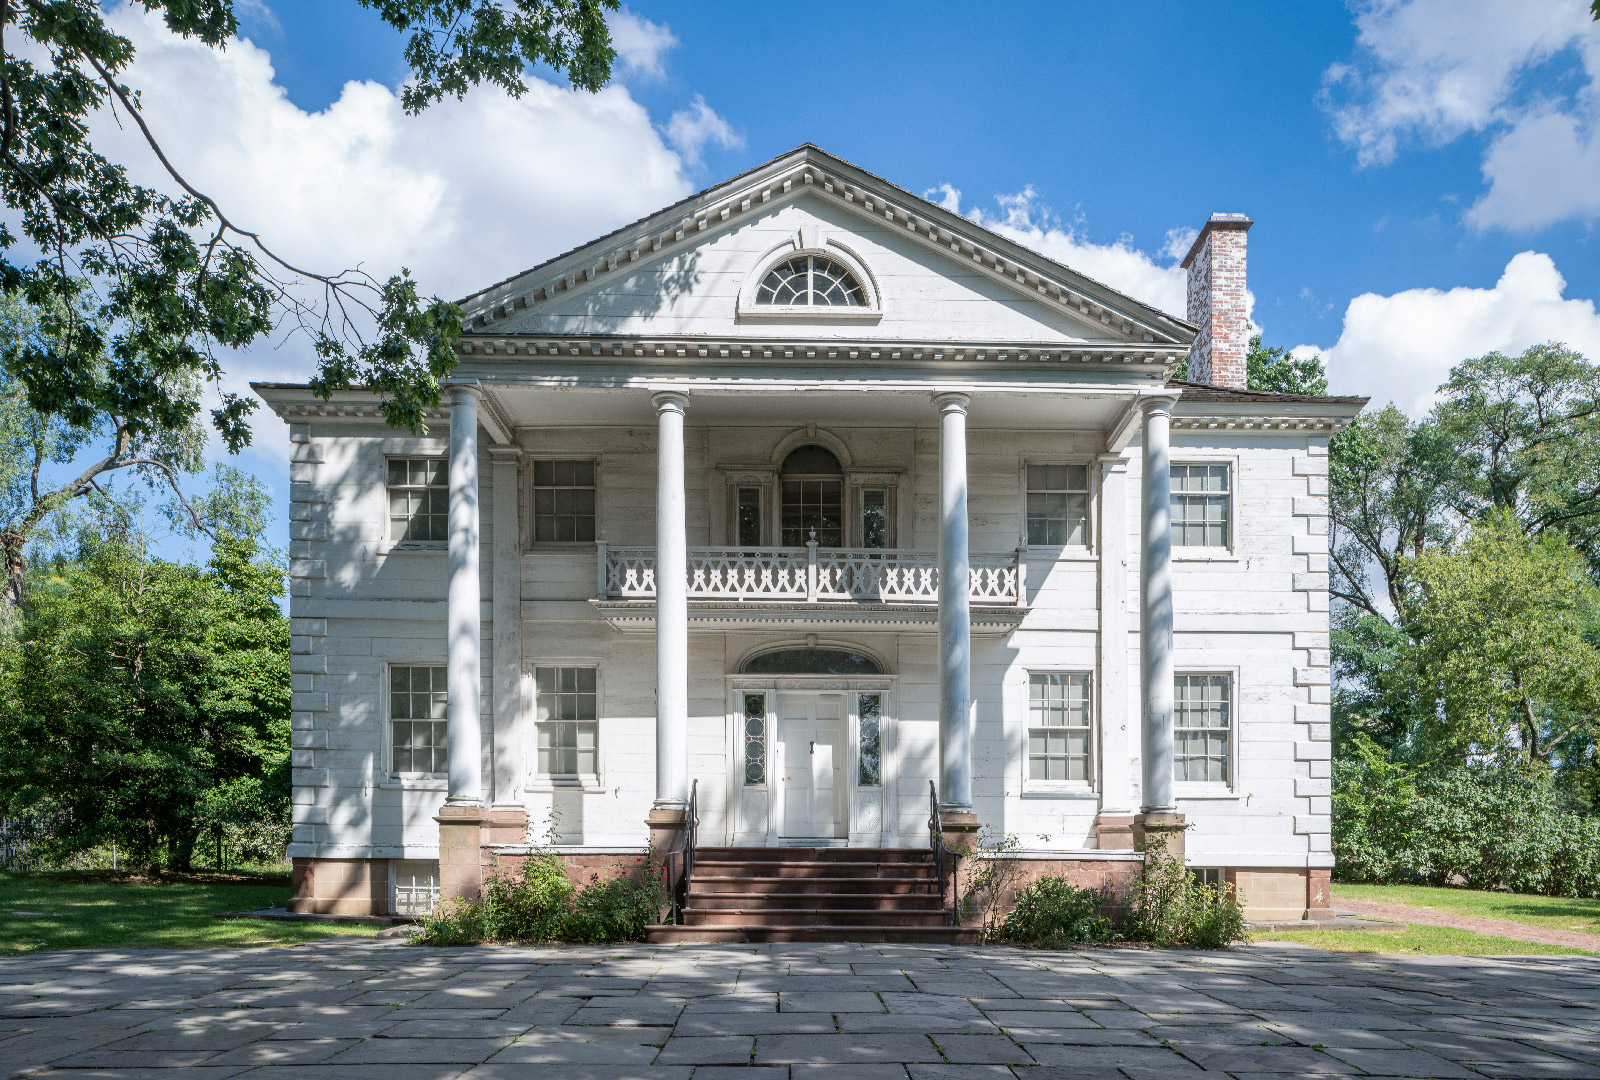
(811, 660)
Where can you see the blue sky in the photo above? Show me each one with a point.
(1424, 174)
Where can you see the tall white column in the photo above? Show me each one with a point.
(672, 608)
(1155, 609)
(1115, 821)
(509, 736)
(463, 611)
(955, 617)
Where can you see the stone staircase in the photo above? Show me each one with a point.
(813, 894)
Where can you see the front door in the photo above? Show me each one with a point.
(811, 735)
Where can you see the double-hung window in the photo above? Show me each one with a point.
(1058, 504)
(417, 720)
(1202, 721)
(419, 500)
(567, 722)
(1201, 498)
(1060, 729)
(563, 501)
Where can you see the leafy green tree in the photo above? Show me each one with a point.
(141, 289)
(149, 699)
(1275, 369)
(1504, 628)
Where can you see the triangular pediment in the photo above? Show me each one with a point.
(933, 274)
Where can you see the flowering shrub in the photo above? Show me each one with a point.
(542, 904)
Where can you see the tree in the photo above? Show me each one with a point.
(149, 699)
(1504, 631)
(1277, 370)
(139, 289)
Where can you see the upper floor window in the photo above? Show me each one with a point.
(1058, 504)
(812, 490)
(1200, 497)
(563, 501)
(811, 281)
(419, 499)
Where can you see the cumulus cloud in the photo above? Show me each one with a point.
(1023, 218)
(691, 130)
(641, 45)
(1401, 347)
(1431, 71)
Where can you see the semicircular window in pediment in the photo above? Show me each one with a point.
(811, 281)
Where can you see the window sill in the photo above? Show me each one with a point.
(560, 547)
(1059, 793)
(810, 313)
(1204, 791)
(588, 785)
(415, 783)
(1199, 554)
(415, 547)
(1060, 553)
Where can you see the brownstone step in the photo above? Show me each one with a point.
(924, 935)
(816, 854)
(786, 916)
(714, 885)
(802, 868)
(739, 901)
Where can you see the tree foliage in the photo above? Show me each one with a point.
(1273, 368)
(142, 290)
(149, 699)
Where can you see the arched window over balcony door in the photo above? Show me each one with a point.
(811, 486)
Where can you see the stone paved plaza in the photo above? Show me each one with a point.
(390, 1011)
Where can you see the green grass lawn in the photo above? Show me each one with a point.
(1416, 938)
(1546, 912)
(67, 911)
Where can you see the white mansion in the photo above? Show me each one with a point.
(804, 494)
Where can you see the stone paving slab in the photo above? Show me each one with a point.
(353, 1010)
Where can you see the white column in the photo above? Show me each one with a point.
(507, 600)
(1116, 760)
(672, 608)
(1155, 608)
(463, 611)
(955, 629)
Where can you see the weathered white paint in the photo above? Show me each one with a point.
(1155, 607)
(955, 631)
(463, 732)
(672, 607)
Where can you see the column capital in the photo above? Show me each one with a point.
(670, 400)
(952, 401)
(505, 455)
(1158, 405)
(464, 392)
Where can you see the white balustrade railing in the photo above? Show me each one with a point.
(811, 574)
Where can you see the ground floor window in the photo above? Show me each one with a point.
(567, 722)
(417, 699)
(415, 886)
(1060, 727)
(1202, 720)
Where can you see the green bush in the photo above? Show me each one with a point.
(1052, 913)
(1483, 824)
(541, 904)
(1169, 908)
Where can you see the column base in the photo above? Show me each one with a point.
(1319, 893)
(960, 829)
(666, 825)
(1114, 832)
(1160, 832)
(506, 825)
(461, 836)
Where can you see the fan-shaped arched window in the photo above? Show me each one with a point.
(811, 661)
(812, 497)
(811, 281)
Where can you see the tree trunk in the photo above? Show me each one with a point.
(11, 543)
(180, 852)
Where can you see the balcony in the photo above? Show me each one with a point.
(782, 587)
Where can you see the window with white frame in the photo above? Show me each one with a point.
(869, 719)
(810, 280)
(416, 886)
(563, 501)
(1058, 504)
(747, 515)
(1202, 721)
(1201, 496)
(566, 722)
(1060, 727)
(874, 517)
(419, 499)
(755, 739)
(417, 699)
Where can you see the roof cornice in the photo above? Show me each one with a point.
(859, 192)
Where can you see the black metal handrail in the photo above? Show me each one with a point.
(940, 854)
(683, 857)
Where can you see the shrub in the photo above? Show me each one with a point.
(1169, 908)
(996, 874)
(1052, 913)
(541, 904)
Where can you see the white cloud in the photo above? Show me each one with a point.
(691, 130)
(1400, 348)
(641, 45)
(1431, 71)
(1022, 218)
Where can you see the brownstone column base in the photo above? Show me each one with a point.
(506, 825)
(461, 835)
(666, 825)
(960, 829)
(1113, 832)
(1319, 893)
(1168, 825)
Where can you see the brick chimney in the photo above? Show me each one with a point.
(1217, 302)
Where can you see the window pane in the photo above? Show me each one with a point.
(874, 518)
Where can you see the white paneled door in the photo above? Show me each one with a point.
(815, 768)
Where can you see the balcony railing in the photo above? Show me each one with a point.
(810, 574)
